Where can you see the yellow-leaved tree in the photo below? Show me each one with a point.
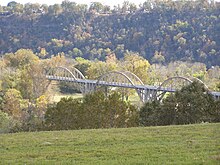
(41, 105)
(136, 64)
(14, 104)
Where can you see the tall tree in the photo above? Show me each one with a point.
(13, 103)
(136, 64)
(192, 104)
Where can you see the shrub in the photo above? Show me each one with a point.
(93, 111)
(6, 123)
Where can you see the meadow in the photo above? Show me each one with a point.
(185, 144)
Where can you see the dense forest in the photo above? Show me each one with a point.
(159, 31)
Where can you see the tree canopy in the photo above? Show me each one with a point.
(160, 31)
(192, 104)
(93, 111)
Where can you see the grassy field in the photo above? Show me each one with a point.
(134, 99)
(189, 144)
(56, 95)
(56, 98)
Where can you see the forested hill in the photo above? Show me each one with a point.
(159, 31)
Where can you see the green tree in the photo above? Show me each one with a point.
(55, 9)
(13, 103)
(66, 114)
(120, 113)
(75, 53)
(24, 72)
(99, 68)
(192, 104)
(97, 6)
(30, 9)
(216, 111)
(12, 4)
(15, 7)
(41, 106)
(82, 64)
(94, 113)
(136, 64)
(149, 114)
(158, 58)
(20, 58)
(5, 122)
(95, 110)
(68, 6)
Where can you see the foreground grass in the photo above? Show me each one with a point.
(189, 144)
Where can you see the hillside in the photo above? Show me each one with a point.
(188, 144)
(159, 31)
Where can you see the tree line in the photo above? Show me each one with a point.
(192, 104)
(160, 31)
(25, 99)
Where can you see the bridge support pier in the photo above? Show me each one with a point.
(147, 95)
(88, 87)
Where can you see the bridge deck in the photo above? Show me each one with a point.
(117, 84)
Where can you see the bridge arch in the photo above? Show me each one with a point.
(133, 77)
(77, 73)
(114, 78)
(167, 81)
(61, 73)
(119, 78)
(200, 81)
(170, 85)
(123, 79)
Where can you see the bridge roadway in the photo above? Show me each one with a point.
(93, 83)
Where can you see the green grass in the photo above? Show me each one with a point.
(55, 95)
(189, 144)
(56, 98)
(134, 99)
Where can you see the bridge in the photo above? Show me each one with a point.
(123, 80)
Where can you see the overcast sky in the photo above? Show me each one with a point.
(49, 2)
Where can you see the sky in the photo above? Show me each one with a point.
(88, 2)
(51, 2)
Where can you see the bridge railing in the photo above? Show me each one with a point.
(122, 79)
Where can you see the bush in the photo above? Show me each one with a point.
(149, 114)
(6, 123)
(93, 111)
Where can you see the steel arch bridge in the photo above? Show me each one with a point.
(120, 79)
